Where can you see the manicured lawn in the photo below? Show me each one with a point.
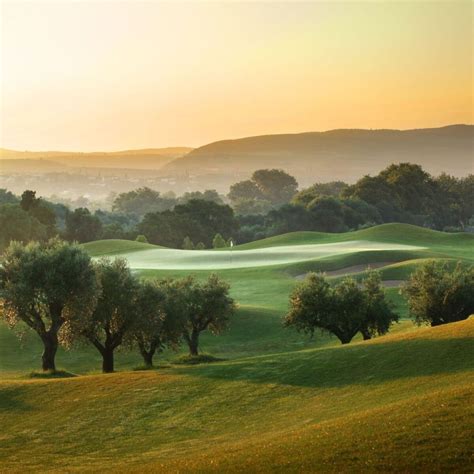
(398, 403)
(279, 401)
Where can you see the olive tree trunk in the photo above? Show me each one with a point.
(50, 347)
(193, 342)
(107, 360)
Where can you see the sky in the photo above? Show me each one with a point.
(111, 75)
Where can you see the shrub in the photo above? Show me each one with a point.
(437, 294)
(141, 238)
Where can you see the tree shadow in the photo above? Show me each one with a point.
(12, 399)
(359, 364)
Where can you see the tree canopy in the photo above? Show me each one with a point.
(266, 189)
(438, 294)
(207, 306)
(17, 224)
(198, 220)
(142, 201)
(115, 312)
(82, 226)
(45, 286)
(342, 309)
(158, 324)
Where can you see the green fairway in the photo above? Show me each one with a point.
(170, 259)
(279, 401)
(260, 291)
(398, 403)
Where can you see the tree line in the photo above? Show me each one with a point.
(56, 290)
(267, 204)
(60, 293)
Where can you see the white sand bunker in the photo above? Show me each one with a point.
(170, 259)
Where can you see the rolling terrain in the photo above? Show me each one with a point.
(333, 155)
(397, 403)
(278, 401)
(13, 161)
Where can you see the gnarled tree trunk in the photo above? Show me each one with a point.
(148, 352)
(193, 342)
(50, 342)
(148, 358)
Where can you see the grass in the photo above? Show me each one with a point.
(273, 400)
(110, 247)
(51, 374)
(197, 359)
(398, 403)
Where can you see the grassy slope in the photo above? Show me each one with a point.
(398, 403)
(393, 233)
(331, 406)
(262, 294)
(103, 248)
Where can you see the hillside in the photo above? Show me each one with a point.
(148, 158)
(31, 166)
(387, 242)
(399, 403)
(262, 273)
(392, 232)
(336, 154)
(278, 401)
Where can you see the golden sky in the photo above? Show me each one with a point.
(109, 75)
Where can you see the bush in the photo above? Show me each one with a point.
(437, 294)
(218, 242)
(141, 238)
(188, 244)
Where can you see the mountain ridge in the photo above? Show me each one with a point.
(344, 154)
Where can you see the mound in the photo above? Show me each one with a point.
(173, 259)
(397, 403)
(104, 248)
(394, 233)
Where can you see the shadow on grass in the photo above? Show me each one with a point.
(361, 364)
(51, 374)
(11, 399)
(196, 359)
(143, 368)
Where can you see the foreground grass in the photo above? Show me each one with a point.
(398, 403)
(278, 402)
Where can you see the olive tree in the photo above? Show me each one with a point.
(379, 314)
(207, 306)
(343, 309)
(438, 294)
(115, 312)
(46, 285)
(159, 312)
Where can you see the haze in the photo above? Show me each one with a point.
(106, 76)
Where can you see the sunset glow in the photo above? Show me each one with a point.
(121, 75)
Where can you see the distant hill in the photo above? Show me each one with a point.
(30, 166)
(336, 154)
(149, 158)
